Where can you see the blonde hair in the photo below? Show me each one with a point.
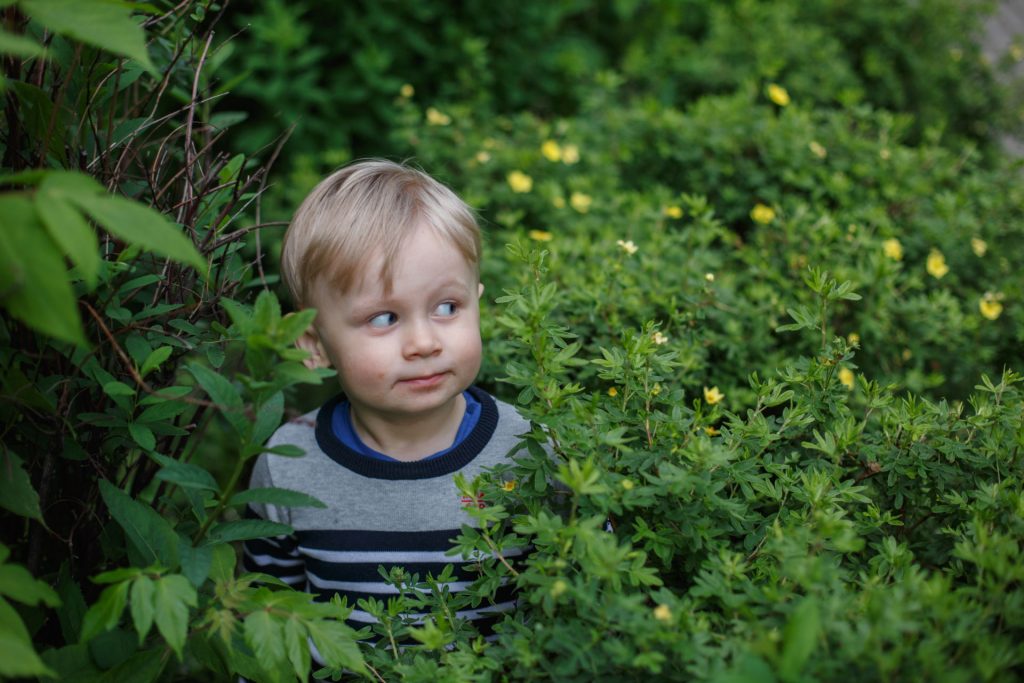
(365, 210)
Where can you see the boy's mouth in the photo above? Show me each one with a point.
(424, 380)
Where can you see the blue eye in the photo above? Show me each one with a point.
(382, 320)
(446, 309)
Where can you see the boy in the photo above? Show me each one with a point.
(390, 259)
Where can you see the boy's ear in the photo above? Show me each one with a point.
(480, 292)
(310, 343)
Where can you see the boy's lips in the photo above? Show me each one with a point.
(424, 380)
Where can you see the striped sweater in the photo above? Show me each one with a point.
(378, 513)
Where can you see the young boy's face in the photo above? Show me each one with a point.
(408, 354)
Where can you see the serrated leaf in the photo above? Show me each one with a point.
(223, 393)
(16, 492)
(105, 613)
(276, 496)
(142, 226)
(150, 533)
(245, 529)
(337, 645)
(141, 605)
(297, 647)
(172, 596)
(268, 418)
(196, 563)
(265, 636)
(105, 25)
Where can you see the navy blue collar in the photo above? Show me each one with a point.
(452, 461)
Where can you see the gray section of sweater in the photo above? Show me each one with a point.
(357, 502)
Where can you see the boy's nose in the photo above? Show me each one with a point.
(421, 339)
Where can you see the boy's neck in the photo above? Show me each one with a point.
(410, 439)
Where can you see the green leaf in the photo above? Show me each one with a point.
(276, 496)
(336, 643)
(19, 46)
(223, 393)
(800, 638)
(117, 389)
(105, 613)
(34, 284)
(105, 25)
(196, 563)
(265, 636)
(244, 529)
(17, 584)
(140, 225)
(17, 656)
(146, 529)
(172, 597)
(268, 418)
(155, 359)
(184, 474)
(16, 492)
(142, 435)
(142, 605)
(286, 450)
(297, 647)
(73, 606)
(69, 230)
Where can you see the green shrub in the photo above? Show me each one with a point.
(720, 317)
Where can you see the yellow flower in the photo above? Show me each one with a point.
(551, 150)
(893, 249)
(711, 431)
(978, 246)
(906, 354)
(581, 202)
(817, 149)
(558, 587)
(656, 390)
(778, 95)
(659, 338)
(1017, 52)
(713, 395)
(663, 613)
(884, 153)
(520, 182)
(673, 212)
(570, 154)
(437, 118)
(990, 306)
(710, 277)
(407, 91)
(613, 392)
(483, 157)
(558, 201)
(846, 377)
(853, 338)
(509, 485)
(628, 246)
(627, 484)
(936, 264)
(762, 214)
(540, 235)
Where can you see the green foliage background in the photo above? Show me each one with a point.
(753, 271)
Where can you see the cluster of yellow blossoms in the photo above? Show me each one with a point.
(553, 152)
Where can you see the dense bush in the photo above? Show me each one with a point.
(769, 329)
